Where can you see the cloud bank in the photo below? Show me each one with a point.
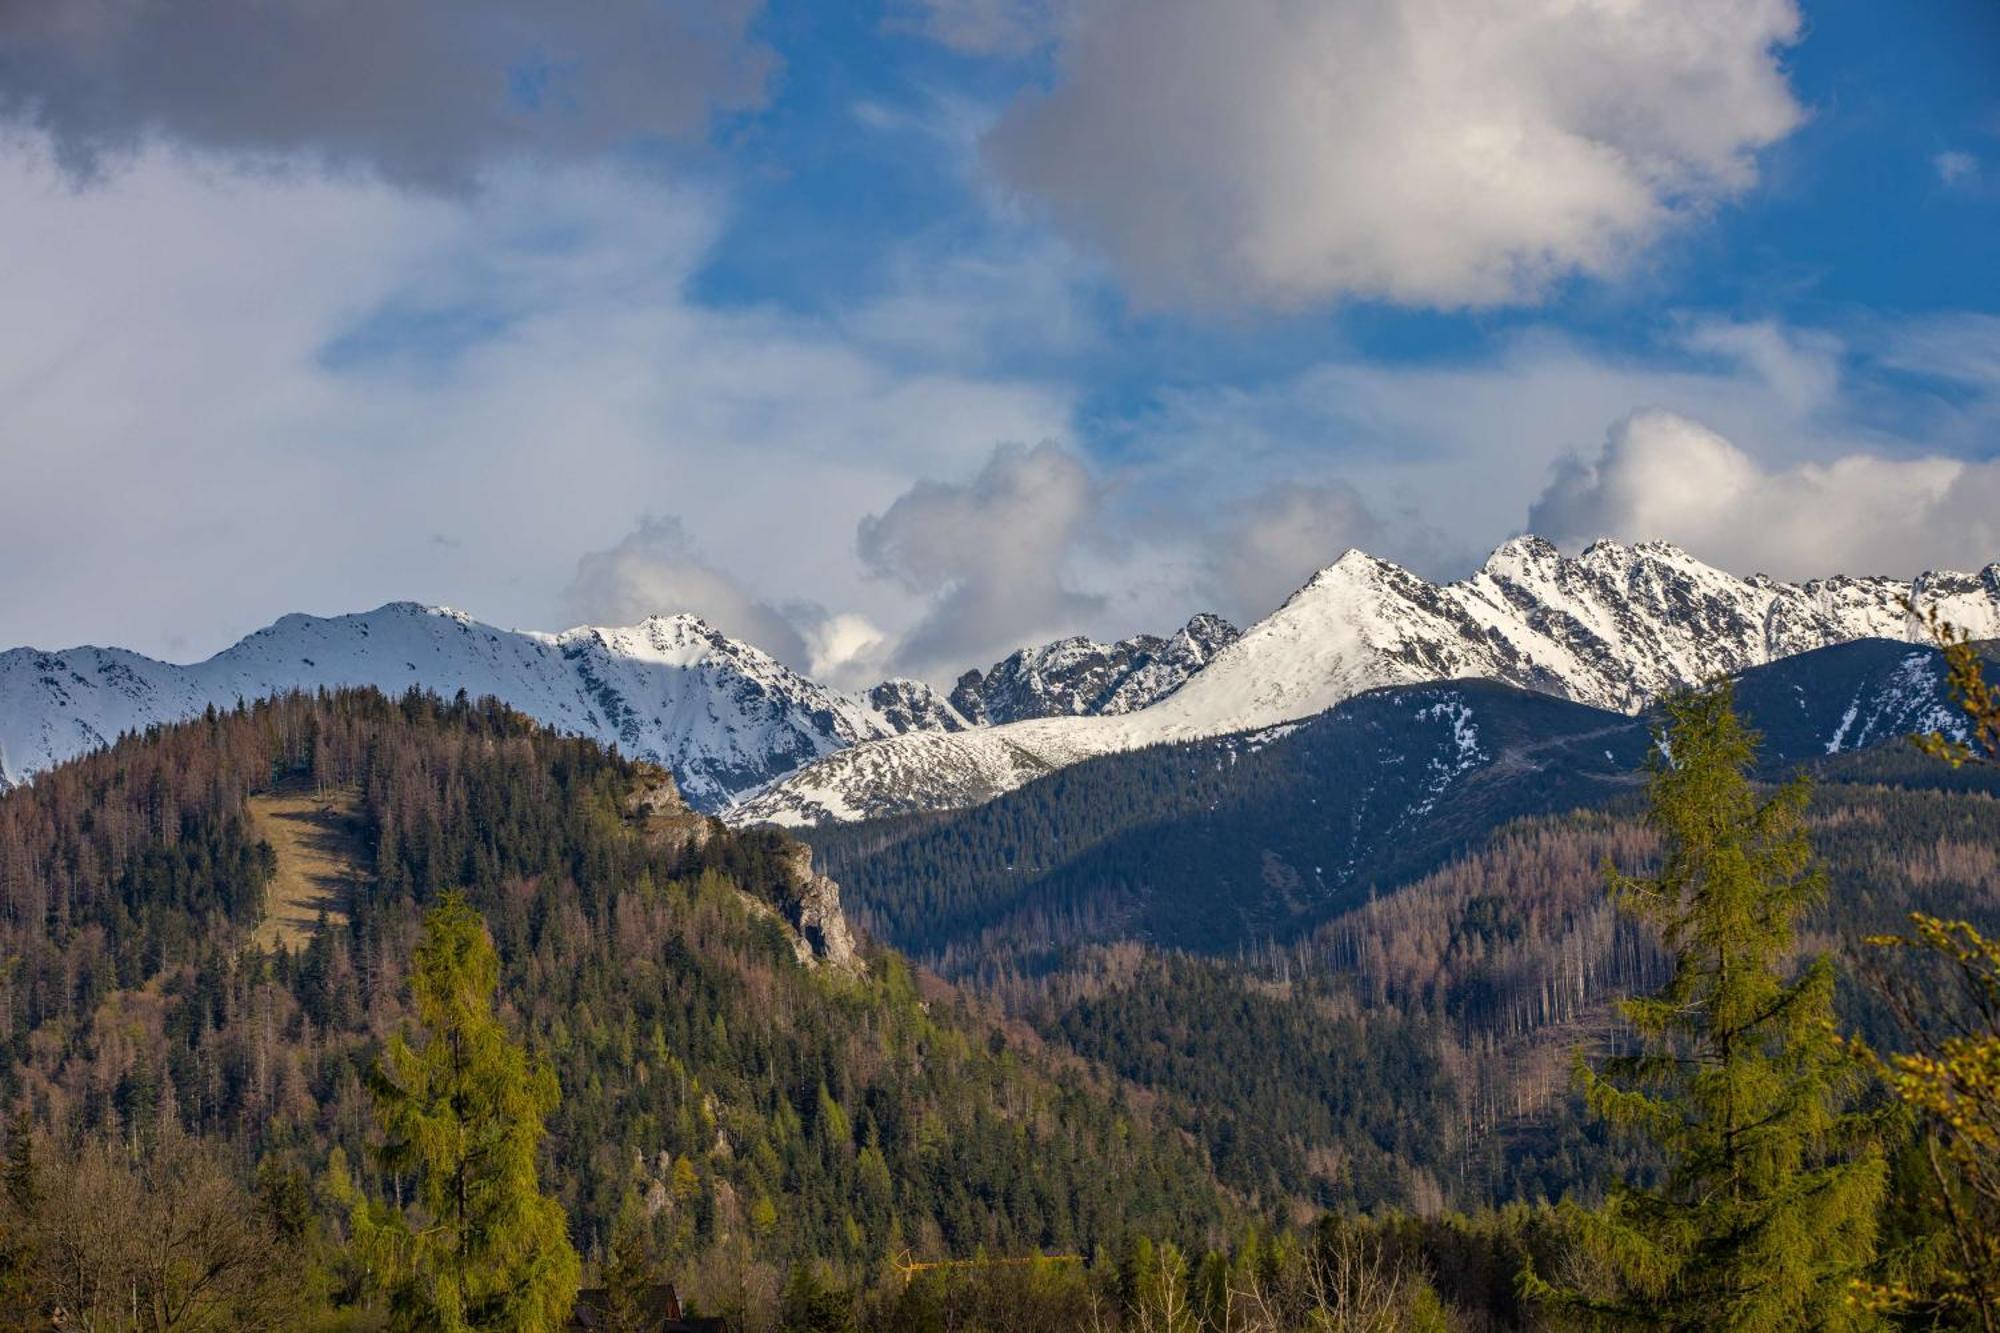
(989, 556)
(1446, 153)
(1279, 538)
(520, 369)
(1663, 475)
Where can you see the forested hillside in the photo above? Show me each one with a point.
(1218, 845)
(1400, 909)
(759, 1109)
(1415, 1052)
(765, 1110)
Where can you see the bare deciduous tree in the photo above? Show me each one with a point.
(170, 1244)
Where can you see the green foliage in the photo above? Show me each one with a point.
(1321, 1112)
(1767, 1213)
(772, 1116)
(691, 1045)
(815, 1303)
(480, 1247)
(1948, 999)
(629, 1272)
(1942, 982)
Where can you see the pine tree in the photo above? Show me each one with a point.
(480, 1248)
(1766, 1213)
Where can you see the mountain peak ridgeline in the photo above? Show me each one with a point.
(1612, 626)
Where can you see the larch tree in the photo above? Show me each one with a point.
(1765, 1215)
(1943, 986)
(479, 1247)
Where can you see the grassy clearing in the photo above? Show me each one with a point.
(320, 856)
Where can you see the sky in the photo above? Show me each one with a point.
(893, 335)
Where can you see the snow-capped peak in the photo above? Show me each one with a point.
(1081, 677)
(1613, 626)
(722, 714)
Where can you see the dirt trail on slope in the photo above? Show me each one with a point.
(320, 858)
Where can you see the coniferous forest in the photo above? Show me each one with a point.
(556, 1030)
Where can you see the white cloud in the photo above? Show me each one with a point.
(1009, 302)
(1277, 539)
(984, 27)
(991, 555)
(269, 398)
(1428, 152)
(1800, 368)
(845, 649)
(1955, 167)
(1961, 347)
(1663, 475)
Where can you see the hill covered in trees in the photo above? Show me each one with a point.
(1399, 908)
(792, 1128)
(756, 1108)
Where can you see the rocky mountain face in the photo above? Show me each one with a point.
(723, 716)
(808, 902)
(1079, 677)
(1612, 627)
(911, 705)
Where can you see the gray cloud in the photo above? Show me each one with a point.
(989, 555)
(421, 91)
(1661, 475)
(655, 570)
(1443, 153)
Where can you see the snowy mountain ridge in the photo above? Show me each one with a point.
(1078, 676)
(745, 734)
(1613, 626)
(722, 715)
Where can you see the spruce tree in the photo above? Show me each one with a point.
(629, 1272)
(1766, 1211)
(480, 1247)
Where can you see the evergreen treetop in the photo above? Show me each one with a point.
(1766, 1213)
(481, 1247)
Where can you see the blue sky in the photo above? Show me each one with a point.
(894, 336)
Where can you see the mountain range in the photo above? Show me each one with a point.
(1214, 844)
(723, 715)
(748, 736)
(1612, 628)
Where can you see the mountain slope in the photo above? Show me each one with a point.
(1222, 842)
(680, 979)
(722, 715)
(1611, 628)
